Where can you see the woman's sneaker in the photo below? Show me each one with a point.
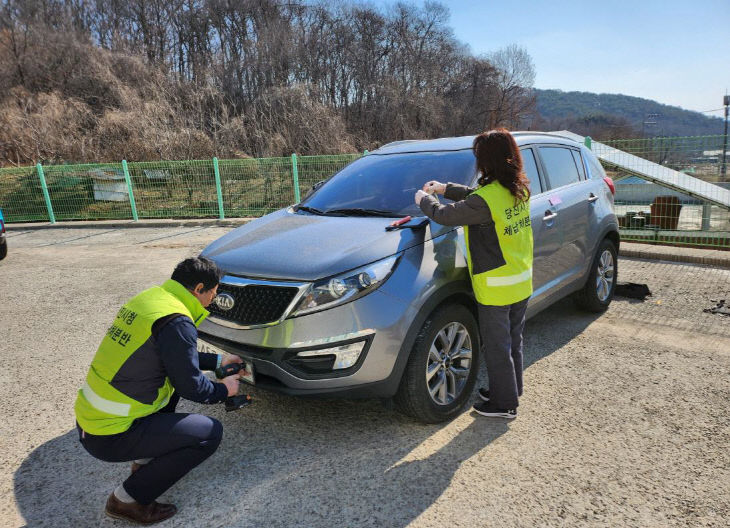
(484, 394)
(486, 409)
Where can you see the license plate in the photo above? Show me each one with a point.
(209, 348)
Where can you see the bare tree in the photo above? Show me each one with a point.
(512, 87)
(156, 79)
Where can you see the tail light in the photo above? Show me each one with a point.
(2, 226)
(610, 184)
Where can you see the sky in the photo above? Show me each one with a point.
(674, 52)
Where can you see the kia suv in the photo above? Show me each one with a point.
(326, 298)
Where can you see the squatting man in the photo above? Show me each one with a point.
(146, 362)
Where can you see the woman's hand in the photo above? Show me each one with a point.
(419, 196)
(434, 187)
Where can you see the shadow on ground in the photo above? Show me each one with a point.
(291, 462)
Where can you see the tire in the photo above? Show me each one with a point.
(3, 249)
(413, 396)
(598, 291)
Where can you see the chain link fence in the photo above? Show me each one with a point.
(165, 189)
(647, 211)
(654, 213)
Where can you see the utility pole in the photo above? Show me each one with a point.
(649, 120)
(726, 102)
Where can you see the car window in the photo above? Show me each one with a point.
(388, 182)
(559, 165)
(579, 163)
(595, 170)
(530, 168)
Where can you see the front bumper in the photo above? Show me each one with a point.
(380, 320)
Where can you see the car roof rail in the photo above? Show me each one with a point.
(549, 134)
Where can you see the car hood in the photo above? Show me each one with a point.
(296, 246)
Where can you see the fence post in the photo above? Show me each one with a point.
(218, 189)
(295, 175)
(588, 141)
(706, 216)
(132, 203)
(47, 197)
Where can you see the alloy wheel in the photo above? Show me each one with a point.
(449, 363)
(604, 275)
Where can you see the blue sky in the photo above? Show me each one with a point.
(674, 52)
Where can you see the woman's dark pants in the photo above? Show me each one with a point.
(501, 329)
(176, 442)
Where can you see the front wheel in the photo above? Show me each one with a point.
(597, 293)
(442, 367)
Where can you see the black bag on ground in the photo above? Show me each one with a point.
(632, 290)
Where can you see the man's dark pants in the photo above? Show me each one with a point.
(500, 328)
(176, 442)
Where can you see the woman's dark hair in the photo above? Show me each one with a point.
(192, 271)
(499, 159)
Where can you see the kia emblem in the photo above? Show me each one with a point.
(224, 301)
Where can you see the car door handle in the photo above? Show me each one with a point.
(592, 198)
(549, 215)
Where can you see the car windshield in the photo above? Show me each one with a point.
(384, 185)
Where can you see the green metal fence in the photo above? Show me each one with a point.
(213, 188)
(650, 212)
(165, 189)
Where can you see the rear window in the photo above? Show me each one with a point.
(560, 166)
(595, 170)
(388, 182)
(579, 163)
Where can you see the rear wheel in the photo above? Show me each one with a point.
(597, 293)
(442, 367)
(3, 249)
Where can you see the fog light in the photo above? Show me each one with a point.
(345, 355)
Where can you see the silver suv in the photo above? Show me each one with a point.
(322, 298)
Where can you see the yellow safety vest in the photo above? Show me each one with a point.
(106, 404)
(510, 282)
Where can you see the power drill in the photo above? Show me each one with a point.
(233, 403)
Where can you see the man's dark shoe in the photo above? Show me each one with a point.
(139, 513)
(484, 394)
(486, 409)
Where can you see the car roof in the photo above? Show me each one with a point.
(465, 142)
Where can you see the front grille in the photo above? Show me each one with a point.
(254, 304)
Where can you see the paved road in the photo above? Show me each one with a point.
(624, 421)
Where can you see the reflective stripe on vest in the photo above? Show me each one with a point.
(104, 405)
(512, 281)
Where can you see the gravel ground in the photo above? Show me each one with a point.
(624, 421)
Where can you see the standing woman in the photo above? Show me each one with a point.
(498, 234)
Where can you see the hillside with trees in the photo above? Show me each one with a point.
(613, 116)
(185, 79)
(153, 80)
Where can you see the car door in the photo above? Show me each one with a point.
(568, 193)
(545, 227)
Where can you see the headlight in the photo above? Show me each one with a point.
(346, 287)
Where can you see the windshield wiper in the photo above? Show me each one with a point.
(308, 209)
(356, 211)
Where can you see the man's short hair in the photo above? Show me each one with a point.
(192, 271)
